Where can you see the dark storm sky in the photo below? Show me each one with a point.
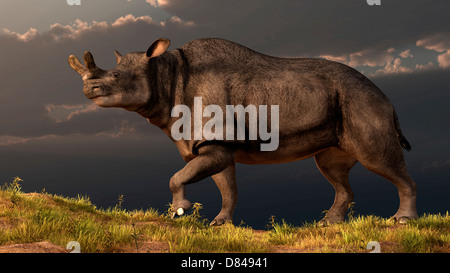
(54, 138)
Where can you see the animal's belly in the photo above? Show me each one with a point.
(292, 146)
(273, 157)
(295, 147)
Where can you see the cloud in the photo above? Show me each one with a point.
(396, 67)
(130, 18)
(339, 59)
(425, 67)
(381, 62)
(435, 164)
(444, 59)
(439, 42)
(65, 112)
(12, 140)
(371, 57)
(28, 35)
(78, 28)
(406, 54)
(176, 19)
(158, 3)
(125, 129)
(393, 67)
(58, 31)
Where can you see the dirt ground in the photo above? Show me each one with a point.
(41, 247)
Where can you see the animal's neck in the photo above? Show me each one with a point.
(164, 74)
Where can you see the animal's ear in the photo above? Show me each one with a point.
(158, 47)
(118, 56)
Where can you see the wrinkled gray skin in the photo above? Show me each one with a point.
(326, 110)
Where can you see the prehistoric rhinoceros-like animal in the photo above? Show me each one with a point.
(326, 110)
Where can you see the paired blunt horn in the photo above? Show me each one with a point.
(77, 66)
(157, 48)
(88, 60)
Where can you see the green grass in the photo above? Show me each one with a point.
(37, 217)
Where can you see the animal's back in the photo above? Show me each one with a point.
(241, 68)
(226, 54)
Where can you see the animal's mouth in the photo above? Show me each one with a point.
(96, 97)
(96, 92)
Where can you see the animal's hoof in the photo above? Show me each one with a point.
(323, 223)
(330, 220)
(217, 222)
(222, 218)
(403, 220)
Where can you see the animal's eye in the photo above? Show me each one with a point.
(116, 75)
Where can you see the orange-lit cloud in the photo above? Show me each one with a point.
(65, 112)
(12, 140)
(78, 27)
(439, 42)
(124, 129)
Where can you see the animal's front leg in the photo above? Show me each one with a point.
(212, 159)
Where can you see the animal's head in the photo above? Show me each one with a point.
(124, 86)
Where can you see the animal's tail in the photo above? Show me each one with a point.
(405, 144)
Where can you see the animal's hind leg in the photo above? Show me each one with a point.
(335, 165)
(390, 164)
(226, 182)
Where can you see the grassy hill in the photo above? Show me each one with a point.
(42, 222)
